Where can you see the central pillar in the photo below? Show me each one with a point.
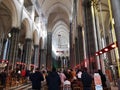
(49, 51)
(43, 57)
(72, 63)
(36, 55)
(13, 51)
(27, 52)
(90, 37)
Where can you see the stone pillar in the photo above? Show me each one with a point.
(72, 63)
(80, 44)
(77, 56)
(36, 55)
(116, 14)
(49, 50)
(27, 52)
(89, 34)
(116, 11)
(13, 51)
(5, 49)
(96, 32)
(43, 57)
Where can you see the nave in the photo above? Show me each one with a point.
(67, 34)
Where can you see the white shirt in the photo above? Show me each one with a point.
(79, 74)
(66, 82)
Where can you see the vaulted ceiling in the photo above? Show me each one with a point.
(58, 14)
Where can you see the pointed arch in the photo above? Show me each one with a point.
(36, 37)
(27, 28)
(14, 14)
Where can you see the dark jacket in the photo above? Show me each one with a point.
(86, 79)
(36, 79)
(103, 78)
(53, 81)
(3, 78)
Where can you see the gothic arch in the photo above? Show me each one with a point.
(56, 5)
(13, 10)
(8, 17)
(27, 30)
(36, 37)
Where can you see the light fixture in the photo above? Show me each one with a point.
(113, 21)
(106, 49)
(96, 54)
(113, 46)
(101, 52)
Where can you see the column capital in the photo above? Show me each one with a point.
(87, 3)
(36, 46)
(15, 30)
(28, 39)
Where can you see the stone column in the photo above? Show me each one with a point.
(96, 32)
(77, 56)
(116, 14)
(72, 63)
(89, 34)
(27, 52)
(36, 55)
(5, 49)
(8, 50)
(80, 44)
(43, 57)
(49, 50)
(13, 51)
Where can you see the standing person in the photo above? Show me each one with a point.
(53, 80)
(103, 78)
(86, 80)
(36, 79)
(67, 85)
(62, 77)
(79, 73)
(3, 78)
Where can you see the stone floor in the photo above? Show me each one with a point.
(28, 86)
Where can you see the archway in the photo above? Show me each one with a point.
(8, 20)
(35, 55)
(25, 43)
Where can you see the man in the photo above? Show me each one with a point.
(103, 78)
(86, 80)
(3, 78)
(36, 79)
(53, 80)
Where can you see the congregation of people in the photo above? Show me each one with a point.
(62, 79)
(57, 79)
